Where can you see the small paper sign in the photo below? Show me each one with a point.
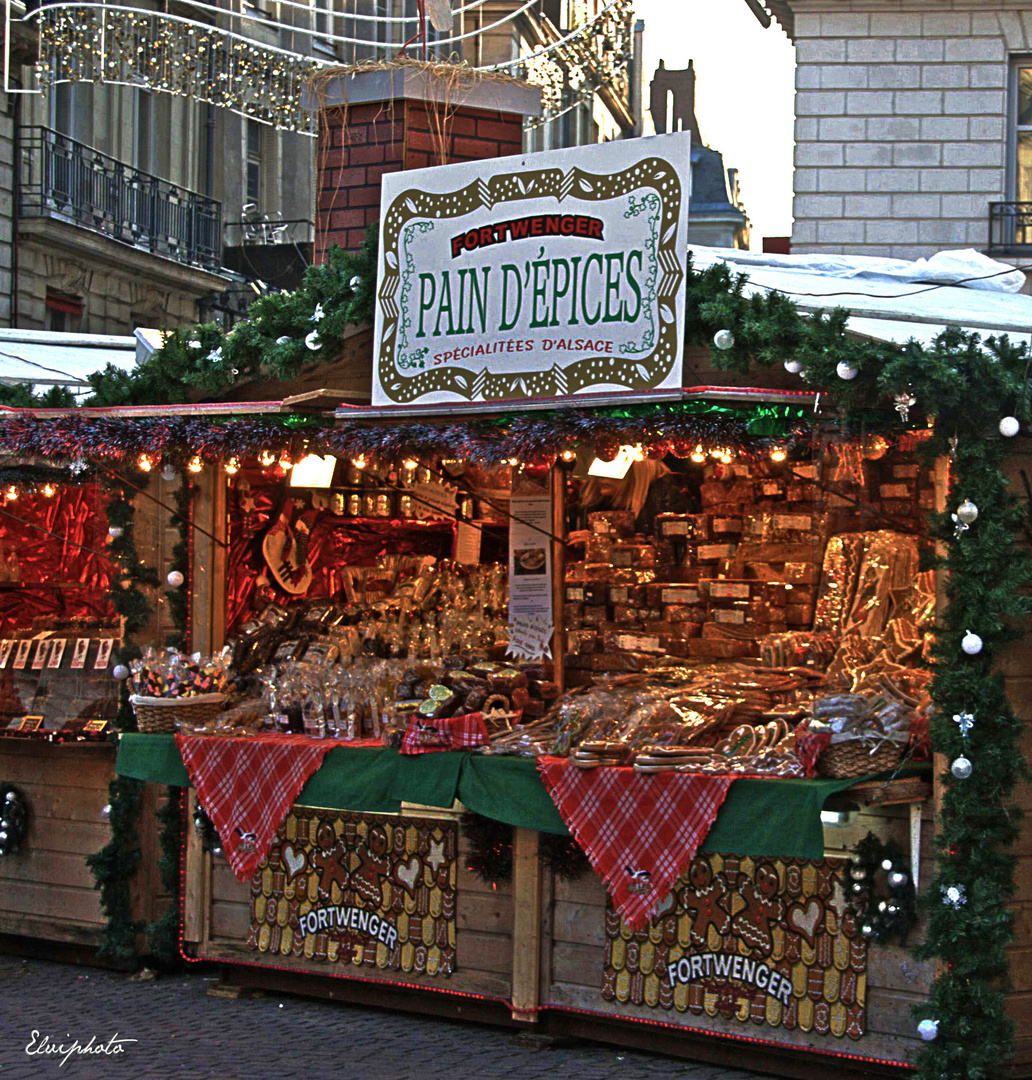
(41, 655)
(95, 725)
(82, 647)
(103, 654)
(21, 657)
(433, 500)
(29, 723)
(5, 652)
(57, 652)
(467, 544)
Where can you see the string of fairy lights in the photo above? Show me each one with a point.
(124, 45)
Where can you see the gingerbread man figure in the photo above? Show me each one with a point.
(330, 861)
(704, 901)
(373, 866)
(763, 906)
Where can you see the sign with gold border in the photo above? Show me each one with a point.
(543, 275)
(757, 942)
(361, 890)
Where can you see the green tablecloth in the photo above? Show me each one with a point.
(776, 818)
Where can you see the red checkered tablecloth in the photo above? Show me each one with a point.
(247, 785)
(453, 733)
(639, 831)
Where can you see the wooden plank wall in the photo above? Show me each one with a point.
(895, 980)
(46, 888)
(483, 945)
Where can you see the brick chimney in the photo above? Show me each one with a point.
(374, 122)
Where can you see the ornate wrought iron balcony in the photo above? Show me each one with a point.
(66, 180)
(1010, 228)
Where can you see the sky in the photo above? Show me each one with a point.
(743, 95)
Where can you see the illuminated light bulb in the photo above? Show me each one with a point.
(638, 453)
(569, 455)
(359, 462)
(778, 453)
(410, 464)
(145, 463)
(49, 490)
(284, 461)
(266, 458)
(699, 456)
(11, 493)
(513, 462)
(233, 466)
(725, 457)
(195, 465)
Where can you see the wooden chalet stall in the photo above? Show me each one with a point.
(694, 598)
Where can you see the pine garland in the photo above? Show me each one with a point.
(268, 344)
(164, 931)
(116, 864)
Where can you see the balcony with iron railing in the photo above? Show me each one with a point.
(1010, 228)
(66, 180)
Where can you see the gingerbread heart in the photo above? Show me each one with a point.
(406, 874)
(293, 860)
(805, 919)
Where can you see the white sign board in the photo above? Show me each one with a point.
(535, 276)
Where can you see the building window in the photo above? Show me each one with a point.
(63, 313)
(1021, 140)
(323, 21)
(253, 163)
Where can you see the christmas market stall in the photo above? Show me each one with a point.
(76, 590)
(613, 679)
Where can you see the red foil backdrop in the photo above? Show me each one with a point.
(57, 579)
(256, 501)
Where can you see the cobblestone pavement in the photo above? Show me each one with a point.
(180, 1032)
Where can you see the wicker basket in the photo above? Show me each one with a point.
(159, 716)
(858, 757)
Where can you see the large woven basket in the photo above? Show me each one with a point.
(858, 757)
(159, 716)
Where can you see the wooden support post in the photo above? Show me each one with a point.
(208, 618)
(526, 929)
(557, 489)
(197, 881)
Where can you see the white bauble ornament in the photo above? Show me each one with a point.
(175, 579)
(106, 812)
(793, 367)
(283, 340)
(120, 672)
(846, 371)
(193, 344)
(312, 341)
(961, 768)
(897, 879)
(355, 283)
(971, 644)
(1009, 426)
(886, 864)
(928, 1029)
(967, 512)
(168, 473)
(115, 531)
(723, 339)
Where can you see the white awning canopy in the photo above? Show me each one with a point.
(45, 358)
(891, 299)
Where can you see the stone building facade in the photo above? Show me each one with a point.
(909, 123)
